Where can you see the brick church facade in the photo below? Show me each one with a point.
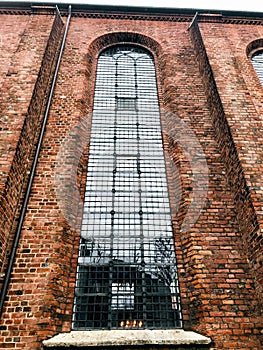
(210, 102)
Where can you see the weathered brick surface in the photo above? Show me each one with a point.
(241, 96)
(238, 128)
(210, 152)
(25, 90)
(25, 86)
(12, 27)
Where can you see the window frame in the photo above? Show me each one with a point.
(178, 318)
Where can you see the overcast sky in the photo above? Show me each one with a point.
(238, 5)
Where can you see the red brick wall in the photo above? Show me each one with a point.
(26, 78)
(207, 176)
(26, 81)
(235, 175)
(241, 95)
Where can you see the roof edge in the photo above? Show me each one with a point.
(132, 10)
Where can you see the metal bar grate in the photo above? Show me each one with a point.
(126, 274)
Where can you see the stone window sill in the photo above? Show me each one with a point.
(126, 337)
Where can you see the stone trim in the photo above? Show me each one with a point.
(126, 337)
(207, 18)
(133, 16)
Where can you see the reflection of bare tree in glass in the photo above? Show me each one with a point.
(92, 251)
(164, 260)
(163, 254)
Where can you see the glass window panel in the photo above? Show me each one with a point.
(126, 258)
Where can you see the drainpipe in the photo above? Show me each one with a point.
(193, 20)
(32, 172)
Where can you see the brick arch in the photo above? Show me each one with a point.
(109, 39)
(254, 46)
(104, 41)
(254, 51)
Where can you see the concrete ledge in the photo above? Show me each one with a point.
(126, 337)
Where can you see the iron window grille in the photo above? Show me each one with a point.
(126, 275)
(257, 61)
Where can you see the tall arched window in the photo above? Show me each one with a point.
(127, 275)
(257, 61)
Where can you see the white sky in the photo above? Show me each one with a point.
(238, 5)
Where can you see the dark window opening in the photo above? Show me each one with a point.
(127, 275)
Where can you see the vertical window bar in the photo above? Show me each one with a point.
(127, 275)
(113, 204)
